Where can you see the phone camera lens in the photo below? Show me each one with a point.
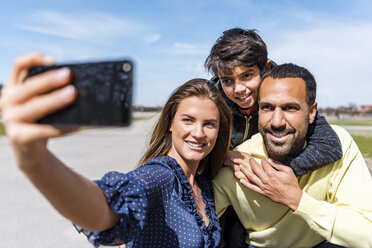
(127, 67)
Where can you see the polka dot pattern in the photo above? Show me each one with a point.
(157, 208)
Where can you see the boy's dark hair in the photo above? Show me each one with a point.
(290, 70)
(237, 47)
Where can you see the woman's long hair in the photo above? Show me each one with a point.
(161, 139)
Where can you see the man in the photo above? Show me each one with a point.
(332, 204)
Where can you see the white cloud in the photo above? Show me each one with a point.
(182, 48)
(339, 54)
(81, 26)
(152, 38)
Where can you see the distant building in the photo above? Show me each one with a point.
(366, 108)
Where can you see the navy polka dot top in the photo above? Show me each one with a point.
(157, 208)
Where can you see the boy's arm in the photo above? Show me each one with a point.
(323, 148)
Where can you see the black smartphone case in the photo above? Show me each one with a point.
(104, 94)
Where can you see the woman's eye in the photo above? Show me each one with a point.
(211, 124)
(247, 75)
(186, 120)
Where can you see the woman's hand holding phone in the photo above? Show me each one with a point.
(25, 100)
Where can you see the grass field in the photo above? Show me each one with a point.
(363, 138)
(365, 144)
(350, 122)
(2, 131)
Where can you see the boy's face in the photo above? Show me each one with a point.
(241, 85)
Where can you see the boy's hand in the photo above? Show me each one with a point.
(234, 159)
(26, 100)
(273, 180)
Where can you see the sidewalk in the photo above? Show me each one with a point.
(27, 219)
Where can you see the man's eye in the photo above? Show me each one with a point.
(290, 108)
(266, 107)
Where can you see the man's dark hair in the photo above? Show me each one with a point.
(290, 70)
(237, 47)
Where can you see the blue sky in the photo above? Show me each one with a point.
(169, 40)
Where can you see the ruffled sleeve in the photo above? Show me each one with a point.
(131, 195)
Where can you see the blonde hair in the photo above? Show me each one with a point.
(161, 139)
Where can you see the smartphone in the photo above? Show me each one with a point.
(104, 94)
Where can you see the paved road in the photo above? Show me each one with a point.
(359, 128)
(27, 219)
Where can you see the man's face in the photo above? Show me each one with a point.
(284, 116)
(241, 85)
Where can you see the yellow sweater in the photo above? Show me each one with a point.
(336, 204)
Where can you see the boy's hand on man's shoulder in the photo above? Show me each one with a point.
(236, 159)
(273, 180)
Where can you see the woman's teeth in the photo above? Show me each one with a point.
(195, 144)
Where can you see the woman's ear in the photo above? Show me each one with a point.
(170, 128)
(312, 112)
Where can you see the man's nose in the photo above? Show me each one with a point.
(278, 119)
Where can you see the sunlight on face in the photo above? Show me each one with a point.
(194, 130)
(284, 116)
(241, 85)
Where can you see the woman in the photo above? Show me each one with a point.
(166, 202)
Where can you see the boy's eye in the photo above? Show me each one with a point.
(247, 75)
(226, 81)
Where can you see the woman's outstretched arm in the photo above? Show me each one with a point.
(23, 102)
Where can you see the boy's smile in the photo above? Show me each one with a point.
(241, 85)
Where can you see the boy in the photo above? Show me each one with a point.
(238, 61)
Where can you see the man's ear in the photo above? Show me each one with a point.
(267, 66)
(312, 112)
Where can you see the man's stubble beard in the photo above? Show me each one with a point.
(294, 148)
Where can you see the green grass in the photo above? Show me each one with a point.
(351, 122)
(365, 144)
(2, 130)
(139, 118)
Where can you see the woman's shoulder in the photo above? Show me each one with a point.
(162, 164)
(155, 169)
